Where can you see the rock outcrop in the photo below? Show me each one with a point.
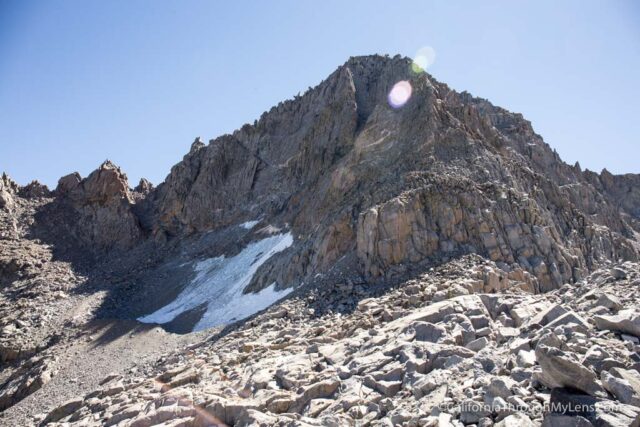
(7, 189)
(96, 211)
(144, 187)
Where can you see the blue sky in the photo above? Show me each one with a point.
(136, 81)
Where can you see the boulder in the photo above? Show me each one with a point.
(425, 384)
(432, 313)
(321, 389)
(432, 400)
(218, 411)
(68, 183)
(610, 302)
(425, 331)
(515, 420)
(595, 358)
(499, 387)
(64, 410)
(525, 311)
(158, 416)
(471, 412)
(478, 344)
(386, 388)
(568, 318)
(599, 412)
(526, 359)
(253, 417)
(625, 322)
(546, 316)
(559, 420)
(624, 384)
(618, 273)
(559, 369)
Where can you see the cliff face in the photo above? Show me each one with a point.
(446, 174)
(257, 170)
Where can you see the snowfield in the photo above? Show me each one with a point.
(219, 284)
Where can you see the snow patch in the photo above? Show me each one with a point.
(219, 283)
(249, 224)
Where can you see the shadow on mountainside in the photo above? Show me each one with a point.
(141, 280)
(138, 281)
(120, 277)
(132, 282)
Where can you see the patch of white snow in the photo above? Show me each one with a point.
(249, 224)
(219, 284)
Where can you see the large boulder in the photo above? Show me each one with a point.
(68, 183)
(559, 369)
(625, 322)
(624, 384)
(597, 411)
(104, 185)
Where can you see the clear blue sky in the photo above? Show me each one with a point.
(136, 81)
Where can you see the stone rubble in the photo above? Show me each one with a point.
(406, 357)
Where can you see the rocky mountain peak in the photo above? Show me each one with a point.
(196, 145)
(143, 187)
(68, 183)
(35, 189)
(105, 184)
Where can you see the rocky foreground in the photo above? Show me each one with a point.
(438, 350)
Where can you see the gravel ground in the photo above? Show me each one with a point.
(103, 347)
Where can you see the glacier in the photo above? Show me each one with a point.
(219, 283)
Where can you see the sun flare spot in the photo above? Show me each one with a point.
(424, 58)
(400, 94)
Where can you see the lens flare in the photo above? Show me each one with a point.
(400, 94)
(424, 58)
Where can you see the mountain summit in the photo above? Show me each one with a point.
(377, 177)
